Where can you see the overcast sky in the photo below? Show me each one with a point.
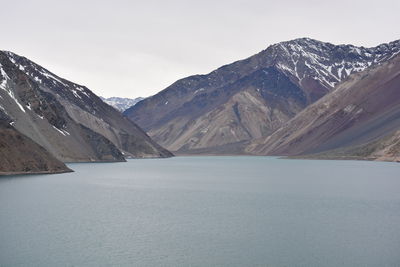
(137, 48)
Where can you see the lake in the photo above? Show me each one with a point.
(204, 211)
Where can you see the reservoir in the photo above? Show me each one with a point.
(204, 211)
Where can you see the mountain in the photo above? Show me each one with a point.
(386, 148)
(19, 154)
(121, 103)
(250, 98)
(360, 118)
(65, 118)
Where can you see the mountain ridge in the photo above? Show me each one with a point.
(358, 116)
(275, 83)
(67, 119)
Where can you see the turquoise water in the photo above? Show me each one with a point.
(204, 211)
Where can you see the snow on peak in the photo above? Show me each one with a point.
(120, 103)
(326, 62)
(45, 77)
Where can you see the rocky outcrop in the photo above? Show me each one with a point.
(251, 98)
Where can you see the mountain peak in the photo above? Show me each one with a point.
(209, 111)
(327, 62)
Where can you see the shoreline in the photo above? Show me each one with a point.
(35, 172)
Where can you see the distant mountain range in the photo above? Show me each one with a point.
(253, 98)
(121, 103)
(300, 98)
(66, 119)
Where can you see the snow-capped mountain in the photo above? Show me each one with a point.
(65, 118)
(329, 64)
(121, 103)
(253, 97)
(358, 119)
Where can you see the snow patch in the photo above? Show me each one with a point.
(81, 89)
(3, 85)
(16, 101)
(63, 132)
(356, 50)
(5, 78)
(76, 94)
(198, 90)
(340, 70)
(50, 76)
(287, 69)
(38, 79)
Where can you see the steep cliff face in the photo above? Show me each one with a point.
(358, 118)
(19, 154)
(67, 119)
(250, 98)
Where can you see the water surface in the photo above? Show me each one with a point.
(204, 211)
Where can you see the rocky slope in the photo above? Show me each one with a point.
(67, 119)
(19, 154)
(121, 103)
(250, 98)
(360, 118)
(386, 148)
